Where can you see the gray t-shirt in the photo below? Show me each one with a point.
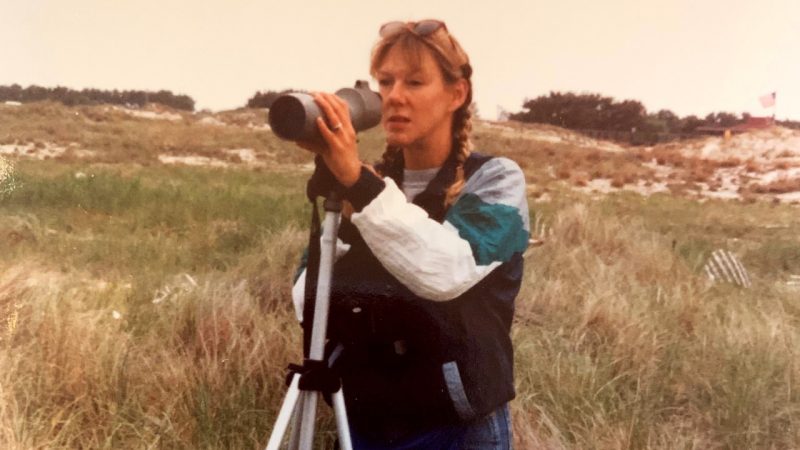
(415, 181)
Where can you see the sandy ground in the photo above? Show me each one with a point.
(546, 134)
(211, 121)
(239, 156)
(766, 146)
(153, 114)
(42, 151)
(192, 160)
(744, 162)
(754, 159)
(6, 176)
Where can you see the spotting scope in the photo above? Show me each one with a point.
(293, 116)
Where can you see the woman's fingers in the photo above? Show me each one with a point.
(329, 108)
(328, 122)
(341, 152)
(327, 133)
(336, 127)
(337, 111)
(342, 110)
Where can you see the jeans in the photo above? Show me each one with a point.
(492, 432)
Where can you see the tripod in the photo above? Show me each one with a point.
(300, 404)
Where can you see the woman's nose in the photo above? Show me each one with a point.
(396, 93)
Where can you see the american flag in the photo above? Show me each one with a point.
(767, 100)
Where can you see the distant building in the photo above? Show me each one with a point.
(756, 123)
(752, 123)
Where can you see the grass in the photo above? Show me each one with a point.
(151, 223)
(622, 345)
(147, 306)
(115, 136)
(779, 186)
(197, 370)
(201, 371)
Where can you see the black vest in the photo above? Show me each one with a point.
(411, 364)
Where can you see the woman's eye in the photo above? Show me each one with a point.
(385, 82)
(415, 82)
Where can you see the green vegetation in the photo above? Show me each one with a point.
(623, 344)
(72, 97)
(152, 222)
(598, 113)
(195, 264)
(145, 305)
(105, 134)
(265, 99)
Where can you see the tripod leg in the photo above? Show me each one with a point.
(309, 415)
(297, 419)
(341, 421)
(289, 404)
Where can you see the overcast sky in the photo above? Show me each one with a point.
(690, 56)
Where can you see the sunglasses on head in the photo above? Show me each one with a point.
(421, 28)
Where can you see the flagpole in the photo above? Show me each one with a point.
(774, 108)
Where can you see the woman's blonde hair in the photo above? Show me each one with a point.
(454, 65)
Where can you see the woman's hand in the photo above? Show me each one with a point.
(341, 152)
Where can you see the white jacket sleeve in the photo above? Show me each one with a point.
(486, 226)
(428, 257)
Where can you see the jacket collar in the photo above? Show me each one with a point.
(432, 198)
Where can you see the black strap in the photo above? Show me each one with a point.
(314, 376)
(312, 271)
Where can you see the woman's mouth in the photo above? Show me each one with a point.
(397, 122)
(398, 119)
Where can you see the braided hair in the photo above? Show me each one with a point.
(454, 64)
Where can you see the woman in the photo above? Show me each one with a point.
(423, 296)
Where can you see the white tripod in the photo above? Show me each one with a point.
(302, 418)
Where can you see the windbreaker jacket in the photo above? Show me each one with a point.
(422, 297)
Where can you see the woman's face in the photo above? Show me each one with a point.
(418, 105)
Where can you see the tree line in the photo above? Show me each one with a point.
(794, 124)
(265, 99)
(591, 112)
(584, 111)
(588, 111)
(71, 97)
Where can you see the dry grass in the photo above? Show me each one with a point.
(201, 369)
(620, 342)
(779, 186)
(553, 158)
(113, 135)
(621, 345)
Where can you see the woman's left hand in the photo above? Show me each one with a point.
(341, 152)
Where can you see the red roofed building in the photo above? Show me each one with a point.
(752, 123)
(755, 123)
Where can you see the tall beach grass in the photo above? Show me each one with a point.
(146, 306)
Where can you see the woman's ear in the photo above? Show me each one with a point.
(459, 89)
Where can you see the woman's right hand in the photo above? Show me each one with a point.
(340, 151)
